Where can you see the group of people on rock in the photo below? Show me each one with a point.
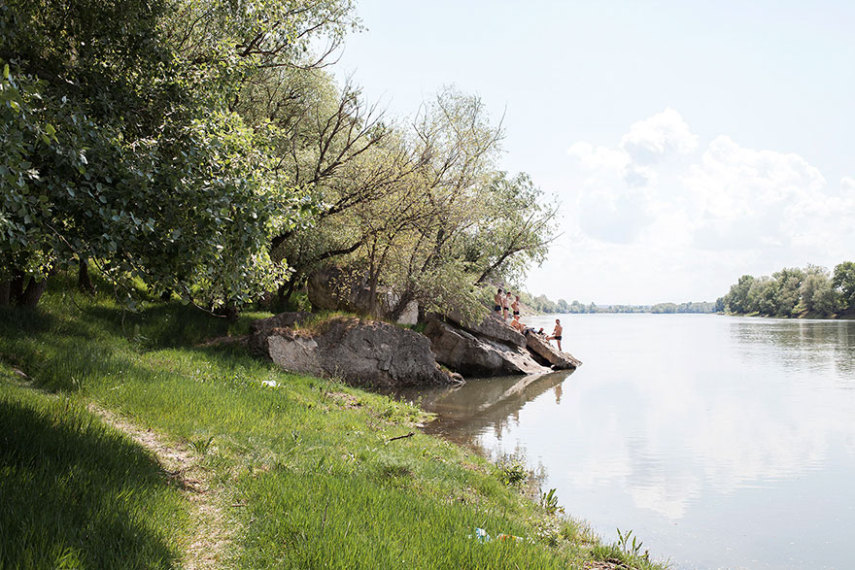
(506, 305)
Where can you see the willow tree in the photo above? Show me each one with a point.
(424, 212)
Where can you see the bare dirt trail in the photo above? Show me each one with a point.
(207, 549)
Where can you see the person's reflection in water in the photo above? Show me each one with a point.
(558, 392)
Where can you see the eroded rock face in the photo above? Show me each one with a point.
(543, 352)
(470, 355)
(262, 328)
(492, 327)
(362, 353)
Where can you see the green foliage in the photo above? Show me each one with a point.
(794, 292)
(513, 472)
(422, 212)
(549, 503)
(844, 282)
(122, 161)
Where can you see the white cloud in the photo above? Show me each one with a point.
(652, 139)
(659, 188)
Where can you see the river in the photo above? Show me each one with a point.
(721, 442)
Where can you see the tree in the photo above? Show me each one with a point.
(787, 287)
(817, 293)
(120, 148)
(844, 282)
(737, 299)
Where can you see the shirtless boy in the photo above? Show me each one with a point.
(515, 306)
(498, 302)
(556, 334)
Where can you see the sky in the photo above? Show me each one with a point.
(688, 143)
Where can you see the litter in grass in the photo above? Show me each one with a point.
(271, 383)
(481, 535)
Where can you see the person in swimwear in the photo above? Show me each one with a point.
(556, 334)
(515, 306)
(498, 302)
(506, 305)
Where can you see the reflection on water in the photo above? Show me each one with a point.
(465, 411)
(722, 442)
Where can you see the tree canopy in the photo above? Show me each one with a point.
(201, 148)
(792, 292)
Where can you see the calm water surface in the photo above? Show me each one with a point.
(721, 442)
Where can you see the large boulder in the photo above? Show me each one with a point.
(470, 355)
(362, 353)
(491, 326)
(548, 356)
(260, 329)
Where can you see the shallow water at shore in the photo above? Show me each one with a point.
(721, 442)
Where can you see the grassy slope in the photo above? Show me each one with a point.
(306, 473)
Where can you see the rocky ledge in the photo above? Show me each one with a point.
(492, 348)
(373, 353)
(362, 353)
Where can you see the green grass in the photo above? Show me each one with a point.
(304, 472)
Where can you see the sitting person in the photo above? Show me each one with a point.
(517, 324)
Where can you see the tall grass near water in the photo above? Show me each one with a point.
(305, 473)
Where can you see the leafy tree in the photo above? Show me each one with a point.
(787, 287)
(817, 293)
(737, 299)
(121, 144)
(844, 281)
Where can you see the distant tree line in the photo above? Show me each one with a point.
(543, 304)
(793, 292)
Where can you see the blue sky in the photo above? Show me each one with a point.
(688, 142)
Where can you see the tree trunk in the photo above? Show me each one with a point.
(84, 283)
(402, 303)
(287, 289)
(372, 296)
(16, 288)
(5, 293)
(33, 292)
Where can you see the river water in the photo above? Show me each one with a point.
(721, 442)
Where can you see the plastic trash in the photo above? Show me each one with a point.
(271, 383)
(481, 535)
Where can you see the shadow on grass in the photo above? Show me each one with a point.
(76, 495)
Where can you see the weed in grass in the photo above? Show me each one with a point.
(513, 472)
(632, 549)
(549, 503)
(202, 445)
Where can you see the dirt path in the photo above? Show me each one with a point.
(211, 536)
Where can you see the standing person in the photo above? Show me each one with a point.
(556, 334)
(497, 302)
(507, 304)
(516, 306)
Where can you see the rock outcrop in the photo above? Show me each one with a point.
(490, 327)
(543, 352)
(472, 355)
(362, 353)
